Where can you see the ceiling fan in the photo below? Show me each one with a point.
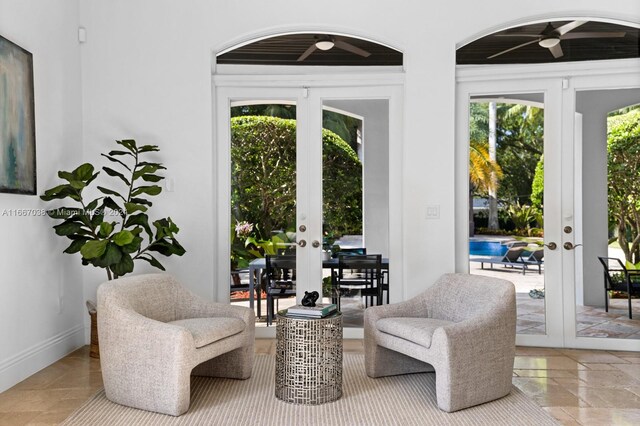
(550, 37)
(329, 42)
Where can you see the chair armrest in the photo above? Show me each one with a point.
(474, 341)
(415, 307)
(192, 306)
(124, 332)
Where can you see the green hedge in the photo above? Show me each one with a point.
(263, 177)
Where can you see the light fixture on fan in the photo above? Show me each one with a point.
(325, 44)
(550, 37)
(549, 42)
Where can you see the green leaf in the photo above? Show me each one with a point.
(120, 153)
(59, 192)
(105, 229)
(153, 261)
(115, 160)
(152, 178)
(124, 266)
(134, 245)
(130, 144)
(110, 192)
(142, 201)
(117, 174)
(148, 148)
(76, 245)
(111, 256)
(92, 178)
(133, 207)
(108, 202)
(94, 248)
(149, 168)
(123, 238)
(97, 219)
(167, 247)
(83, 172)
(68, 176)
(92, 205)
(140, 220)
(68, 227)
(149, 190)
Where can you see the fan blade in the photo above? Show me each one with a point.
(569, 27)
(517, 35)
(593, 35)
(351, 48)
(513, 48)
(556, 51)
(307, 52)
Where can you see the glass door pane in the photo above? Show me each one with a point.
(607, 200)
(263, 203)
(506, 198)
(355, 198)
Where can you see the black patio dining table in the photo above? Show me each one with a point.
(256, 267)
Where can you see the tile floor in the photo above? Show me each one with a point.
(577, 387)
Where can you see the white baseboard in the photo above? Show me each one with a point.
(15, 369)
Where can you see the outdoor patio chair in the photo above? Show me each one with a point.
(281, 281)
(359, 272)
(618, 278)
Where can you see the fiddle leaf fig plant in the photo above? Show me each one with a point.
(113, 231)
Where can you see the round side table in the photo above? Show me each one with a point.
(308, 359)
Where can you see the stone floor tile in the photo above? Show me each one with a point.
(632, 370)
(583, 356)
(596, 366)
(547, 393)
(561, 415)
(609, 379)
(546, 363)
(546, 373)
(537, 351)
(589, 416)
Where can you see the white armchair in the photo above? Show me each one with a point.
(463, 327)
(154, 334)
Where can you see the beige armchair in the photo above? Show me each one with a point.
(154, 334)
(463, 327)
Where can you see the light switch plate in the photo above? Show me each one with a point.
(432, 211)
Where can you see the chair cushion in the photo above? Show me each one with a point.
(208, 330)
(416, 330)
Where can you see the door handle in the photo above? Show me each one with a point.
(551, 245)
(569, 246)
(302, 243)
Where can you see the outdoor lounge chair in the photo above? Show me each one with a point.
(536, 258)
(618, 278)
(512, 258)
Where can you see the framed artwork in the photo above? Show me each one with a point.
(17, 120)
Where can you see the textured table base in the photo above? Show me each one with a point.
(309, 359)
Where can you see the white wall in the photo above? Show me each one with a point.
(41, 301)
(594, 106)
(375, 113)
(146, 74)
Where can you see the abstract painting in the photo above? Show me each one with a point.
(17, 120)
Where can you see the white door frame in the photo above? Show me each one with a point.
(563, 79)
(551, 88)
(307, 91)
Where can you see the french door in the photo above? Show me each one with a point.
(341, 195)
(566, 308)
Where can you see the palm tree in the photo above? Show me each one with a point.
(484, 174)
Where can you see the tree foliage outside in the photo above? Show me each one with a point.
(520, 140)
(623, 155)
(263, 177)
(343, 125)
(537, 187)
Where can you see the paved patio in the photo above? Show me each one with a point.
(592, 321)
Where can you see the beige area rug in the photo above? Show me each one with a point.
(400, 400)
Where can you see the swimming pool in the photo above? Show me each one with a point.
(487, 248)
